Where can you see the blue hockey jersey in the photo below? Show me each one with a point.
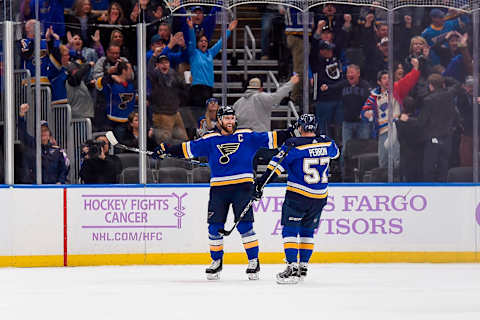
(230, 156)
(27, 50)
(307, 165)
(119, 98)
(57, 74)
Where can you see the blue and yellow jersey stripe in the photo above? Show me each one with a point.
(307, 192)
(117, 119)
(209, 135)
(243, 131)
(272, 140)
(279, 169)
(187, 151)
(229, 180)
(314, 145)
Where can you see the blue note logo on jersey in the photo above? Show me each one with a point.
(227, 149)
(126, 98)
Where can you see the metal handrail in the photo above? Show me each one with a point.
(249, 54)
(234, 36)
(249, 34)
(293, 109)
(271, 77)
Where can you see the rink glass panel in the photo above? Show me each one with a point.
(190, 116)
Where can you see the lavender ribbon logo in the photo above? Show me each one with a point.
(179, 209)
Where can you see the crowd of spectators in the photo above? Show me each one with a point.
(89, 60)
(348, 66)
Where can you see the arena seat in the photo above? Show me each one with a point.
(365, 162)
(352, 150)
(172, 175)
(128, 159)
(130, 176)
(173, 162)
(201, 175)
(460, 174)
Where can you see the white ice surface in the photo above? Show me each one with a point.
(331, 291)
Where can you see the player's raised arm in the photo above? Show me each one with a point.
(273, 139)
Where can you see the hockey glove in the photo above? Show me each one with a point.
(158, 153)
(293, 131)
(257, 192)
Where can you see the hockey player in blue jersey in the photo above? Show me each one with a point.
(307, 167)
(230, 154)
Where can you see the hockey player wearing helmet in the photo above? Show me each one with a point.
(226, 120)
(230, 152)
(307, 165)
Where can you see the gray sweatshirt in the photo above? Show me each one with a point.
(254, 109)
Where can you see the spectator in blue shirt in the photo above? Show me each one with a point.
(201, 62)
(439, 27)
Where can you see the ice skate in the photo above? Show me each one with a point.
(289, 276)
(253, 269)
(302, 270)
(213, 271)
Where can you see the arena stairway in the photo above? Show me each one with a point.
(247, 16)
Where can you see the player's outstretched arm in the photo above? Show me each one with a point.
(187, 150)
(167, 150)
(284, 135)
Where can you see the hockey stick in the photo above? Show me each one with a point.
(226, 233)
(114, 142)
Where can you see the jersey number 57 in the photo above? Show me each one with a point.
(312, 175)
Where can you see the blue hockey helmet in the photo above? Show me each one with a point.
(308, 122)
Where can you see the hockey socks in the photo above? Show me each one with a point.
(290, 243)
(249, 239)
(306, 244)
(215, 241)
(292, 248)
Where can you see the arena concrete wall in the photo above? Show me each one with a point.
(166, 224)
